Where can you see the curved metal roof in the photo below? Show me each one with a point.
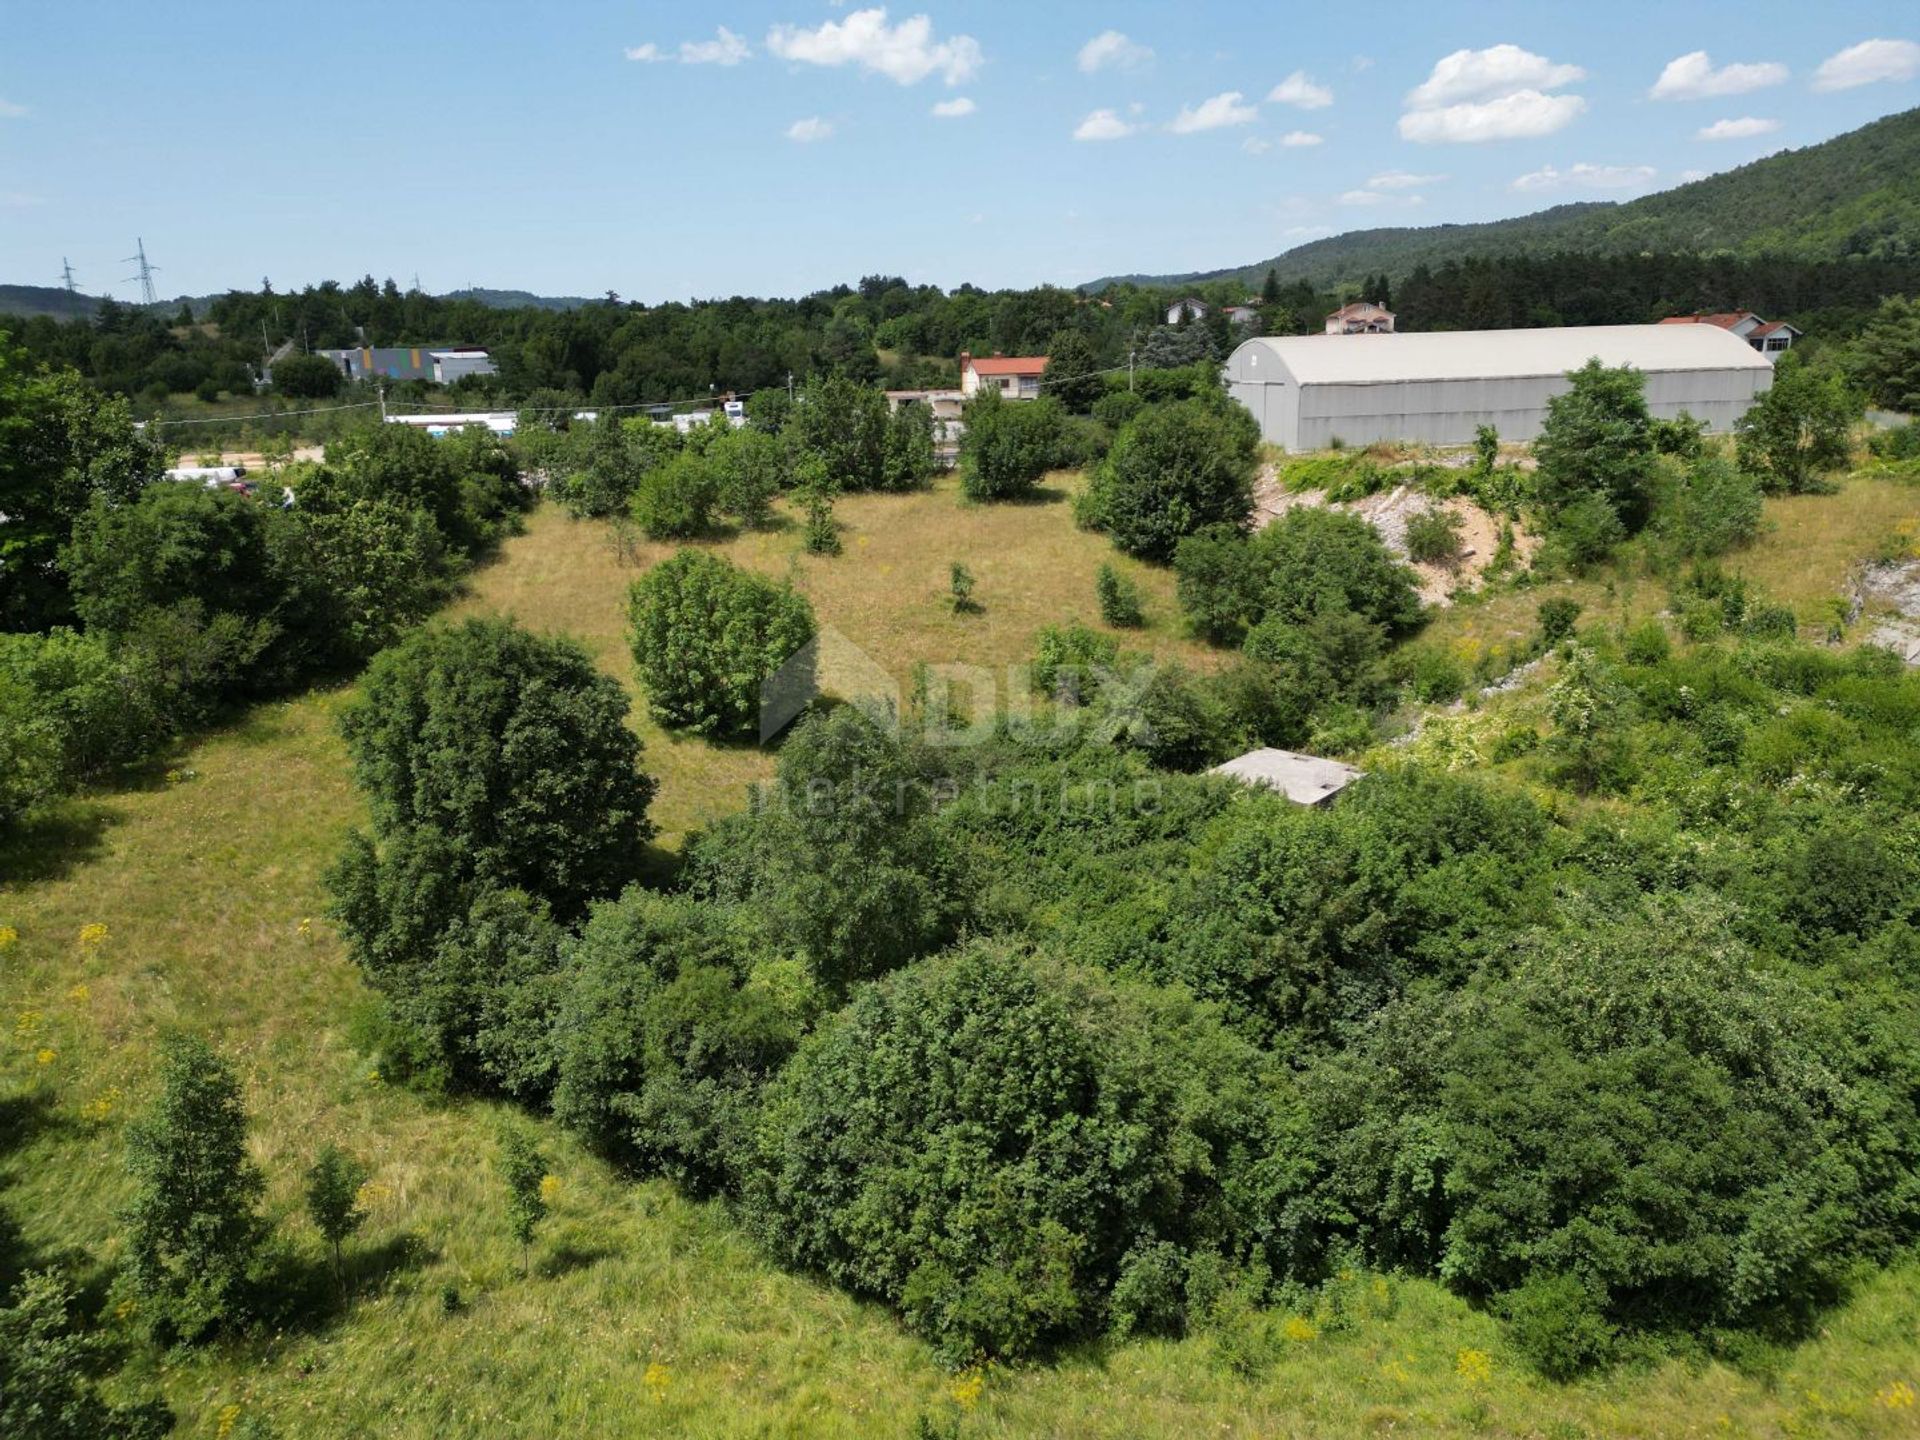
(1492, 354)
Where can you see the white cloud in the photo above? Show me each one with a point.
(1256, 145)
(1103, 125)
(1376, 197)
(905, 53)
(1744, 128)
(807, 131)
(1223, 110)
(1300, 139)
(1525, 114)
(1497, 70)
(19, 200)
(646, 54)
(11, 111)
(1401, 180)
(955, 108)
(1587, 177)
(1112, 50)
(1299, 89)
(1867, 62)
(1692, 77)
(726, 48)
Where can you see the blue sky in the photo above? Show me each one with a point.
(677, 150)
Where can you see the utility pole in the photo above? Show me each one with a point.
(789, 385)
(145, 273)
(383, 401)
(1129, 372)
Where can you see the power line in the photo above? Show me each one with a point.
(266, 414)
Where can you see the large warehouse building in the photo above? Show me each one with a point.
(1307, 391)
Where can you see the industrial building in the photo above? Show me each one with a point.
(1310, 391)
(411, 362)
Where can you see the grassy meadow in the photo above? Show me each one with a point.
(194, 899)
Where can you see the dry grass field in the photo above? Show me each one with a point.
(646, 1314)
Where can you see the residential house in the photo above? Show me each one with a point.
(1360, 317)
(1016, 377)
(1242, 314)
(1188, 309)
(1768, 337)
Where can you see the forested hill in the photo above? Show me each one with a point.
(1856, 194)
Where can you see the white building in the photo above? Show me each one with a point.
(1016, 377)
(1436, 388)
(1769, 337)
(1360, 317)
(1190, 309)
(1303, 779)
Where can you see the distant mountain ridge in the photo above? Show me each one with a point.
(28, 301)
(1856, 194)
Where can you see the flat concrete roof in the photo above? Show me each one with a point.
(1303, 779)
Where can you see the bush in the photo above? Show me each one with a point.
(676, 500)
(1173, 470)
(840, 863)
(664, 1037)
(1636, 1102)
(1433, 536)
(307, 377)
(1119, 599)
(1714, 507)
(843, 424)
(1313, 559)
(1008, 445)
(983, 1139)
(49, 1371)
(1799, 430)
(1555, 1324)
(1070, 661)
(70, 710)
(513, 750)
(1682, 436)
(599, 464)
(1117, 407)
(1071, 376)
(1217, 583)
(1557, 616)
(706, 635)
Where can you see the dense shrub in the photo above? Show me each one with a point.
(706, 635)
(844, 425)
(70, 709)
(511, 747)
(1799, 430)
(750, 468)
(1217, 583)
(1173, 470)
(1119, 599)
(1712, 507)
(839, 862)
(989, 1141)
(468, 482)
(1071, 661)
(379, 567)
(1314, 559)
(1639, 1126)
(1008, 445)
(307, 377)
(599, 464)
(1433, 536)
(664, 1035)
(50, 1366)
(675, 500)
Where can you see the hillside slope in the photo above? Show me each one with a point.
(1856, 194)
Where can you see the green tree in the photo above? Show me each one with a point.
(307, 377)
(1313, 560)
(1885, 360)
(750, 467)
(1008, 445)
(706, 635)
(380, 568)
(511, 746)
(333, 1201)
(1119, 598)
(1217, 582)
(908, 459)
(1071, 376)
(48, 1370)
(844, 424)
(1799, 430)
(1175, 469)
(1598, 442)
(63, 445)
(522, 1168)
(193, 1229)
(676, 500)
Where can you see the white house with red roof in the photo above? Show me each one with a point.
(1360, 317)
(1016, 377)
(1769, 337)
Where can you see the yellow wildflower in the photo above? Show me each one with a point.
(370, 1194)
(306, 927)
(656, 1380)
(9, 937)
(91, 936)
(25, 1023)
(229, 1417)
(1298, 1327)
(45, 1055)
(80, 994)
(1898, 1396)
(966, 1387)
(97, 1110)
(549, 1187)
(1474, 1366)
